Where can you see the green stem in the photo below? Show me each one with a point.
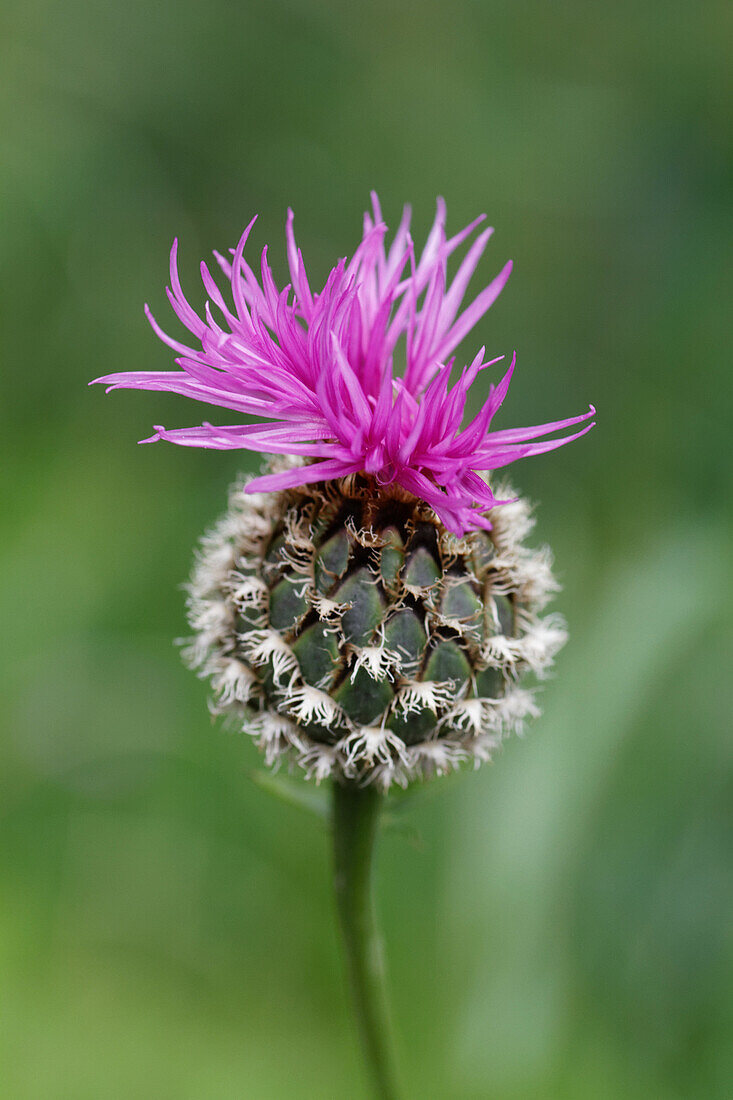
(355, 823)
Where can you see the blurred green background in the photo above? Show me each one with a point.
(564, 928)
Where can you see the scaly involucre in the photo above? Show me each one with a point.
(321, 368)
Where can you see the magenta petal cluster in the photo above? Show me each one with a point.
(321, 367)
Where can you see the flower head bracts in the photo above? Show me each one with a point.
(385, 686)
(320, 367)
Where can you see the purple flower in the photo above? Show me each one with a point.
(321, 367)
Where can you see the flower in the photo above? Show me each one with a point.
(321, 368)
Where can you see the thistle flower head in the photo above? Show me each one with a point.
(354, 378)
(364, 609)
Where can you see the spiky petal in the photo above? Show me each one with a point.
(320, 367)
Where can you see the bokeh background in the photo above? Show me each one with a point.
(558, 924)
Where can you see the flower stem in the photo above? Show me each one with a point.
(355, 824)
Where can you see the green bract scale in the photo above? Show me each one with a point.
(348, 631)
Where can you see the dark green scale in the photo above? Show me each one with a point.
(420, 570)
(391, 558)
(405, 634)
(365, 612)
(447, 661)
(462, 603)
(331, 561)
(288, 603)
(366, 699)
(273, 563)
(489, 683)
(318, 655)
(414, 727)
